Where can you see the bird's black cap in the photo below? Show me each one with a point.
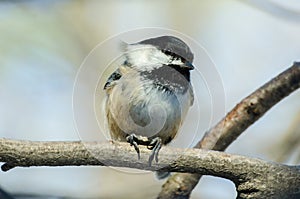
(171, 44)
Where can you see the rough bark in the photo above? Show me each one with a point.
(254, 178)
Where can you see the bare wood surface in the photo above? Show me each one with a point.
(263, 178)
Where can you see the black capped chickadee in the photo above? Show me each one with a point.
(149, 95)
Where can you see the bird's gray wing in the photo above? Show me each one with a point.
(112, 79)
(191, 94)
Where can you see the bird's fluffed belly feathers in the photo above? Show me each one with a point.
(139, 108)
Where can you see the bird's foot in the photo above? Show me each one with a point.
(155, 146)
(135, 140)
(132, 139)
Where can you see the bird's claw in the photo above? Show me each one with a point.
(132, 139)
(155, 146)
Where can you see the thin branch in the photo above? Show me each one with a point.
(236, 121)
(246, 173)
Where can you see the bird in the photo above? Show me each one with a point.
(149, 94)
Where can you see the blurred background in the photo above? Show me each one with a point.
(43, 44)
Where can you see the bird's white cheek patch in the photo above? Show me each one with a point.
(146, 57)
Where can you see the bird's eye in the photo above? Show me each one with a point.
(173, 55)
(167, 52)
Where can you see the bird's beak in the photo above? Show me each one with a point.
(189, 66)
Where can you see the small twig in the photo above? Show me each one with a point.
(247, 173)
(236, 121)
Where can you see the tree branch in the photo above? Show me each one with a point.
(246, 173)
(254, 178)
(236, 121)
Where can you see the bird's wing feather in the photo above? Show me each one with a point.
(191, 94)
(112, 79)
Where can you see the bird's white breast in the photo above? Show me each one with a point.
(139, 107)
